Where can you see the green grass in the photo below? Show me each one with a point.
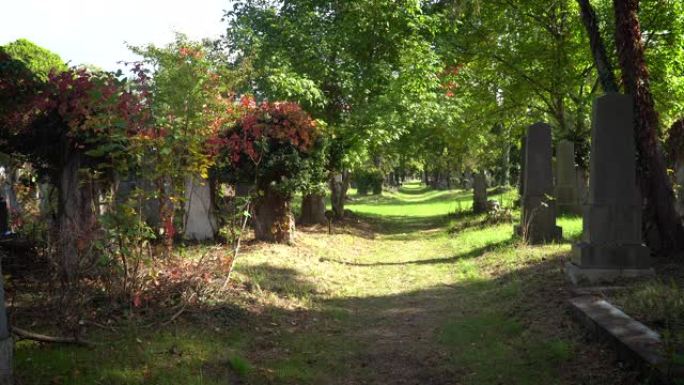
(391, 294)
(172, 356)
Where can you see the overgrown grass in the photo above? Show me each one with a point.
(390, 297)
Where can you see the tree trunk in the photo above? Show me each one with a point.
(313, 210)
(598, 48)
(6, 342)
(506, 166)
(339, 184)
(664, 231)
(166, 213)
(4, 217)
(273, 218)
(77, 220)
(675, 150)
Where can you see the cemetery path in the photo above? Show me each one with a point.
(423, 298)
(404, 292)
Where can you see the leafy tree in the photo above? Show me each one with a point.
(348, 64)
(38, 60)
(189, 98)
(277, 146)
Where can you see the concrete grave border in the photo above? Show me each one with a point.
(633, 341)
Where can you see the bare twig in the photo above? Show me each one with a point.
(175, 315)
(236, 249)
(27, 335)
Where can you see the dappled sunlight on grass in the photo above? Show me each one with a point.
(406, 287)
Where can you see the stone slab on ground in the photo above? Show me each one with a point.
(578, 275)
(596, 290)
(633, 341)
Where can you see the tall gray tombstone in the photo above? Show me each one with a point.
(611, 246)
(567, 196)
(200, 223)
(480, 192)
(538, 219)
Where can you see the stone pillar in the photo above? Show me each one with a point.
(566, 178)
(538, 219)
(480, 192)
(611, 246)
(200, 224)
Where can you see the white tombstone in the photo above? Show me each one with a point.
(200, 223)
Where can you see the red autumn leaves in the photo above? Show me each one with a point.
(282, 122)
(92, 107)
(449, 83)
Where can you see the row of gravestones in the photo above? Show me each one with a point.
(199, 222)
(611, 245)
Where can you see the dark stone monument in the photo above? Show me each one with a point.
(566, 178)
(538, 219)
(612, 246)
(480, 192)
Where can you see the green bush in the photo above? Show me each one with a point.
(369, 180)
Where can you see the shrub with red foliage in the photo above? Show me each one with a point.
(272, 143)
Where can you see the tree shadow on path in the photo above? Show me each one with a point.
(474, 253)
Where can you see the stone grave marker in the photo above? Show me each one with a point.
(200, 223)
(566, 178)
(612, 245)
(538, 213)
(479, 192)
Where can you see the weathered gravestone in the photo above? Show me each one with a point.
(612, 245)
(200, 223)
(480, 192)
(567, 197)
(538, 219)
